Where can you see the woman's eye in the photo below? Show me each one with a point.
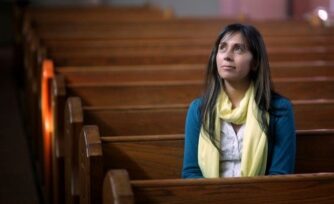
(239, 49)
(222, 47)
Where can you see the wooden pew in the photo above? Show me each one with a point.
(114, 121)
(36, 93)
(197, 56)
(107, 60)
(293, 88)
(175, 72)
(148, 94)
(178, 72)
(144, 46)
(58, 104)
(205, 27)
(161, 156)
(166, 120)
(174, 56)
(113, 94)
(42, 16)
(124, 41)
(166, 37)
(181, 24)
(167, 93)
(277, 41)
(140, 73)
(165, 26)
(305, 88)
(177, 92)
(301, 69)
(318, 50)
(312, 92)
(170, 148)
(100, 13)
(304, 188)
(170, 92)
(99, 92)
(89, 75)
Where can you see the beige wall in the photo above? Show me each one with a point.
(255, 9)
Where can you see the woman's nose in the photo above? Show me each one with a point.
(228, 55)
(227, 58)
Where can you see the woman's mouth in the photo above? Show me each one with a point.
(227, 67)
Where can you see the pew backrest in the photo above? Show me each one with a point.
(160, 156)
(306, 188)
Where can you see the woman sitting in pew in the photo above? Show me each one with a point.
(240, 126)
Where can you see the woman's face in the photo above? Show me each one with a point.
(234, 59)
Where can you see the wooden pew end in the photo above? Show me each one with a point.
(117, 182)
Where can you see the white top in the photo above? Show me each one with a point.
(231, 146)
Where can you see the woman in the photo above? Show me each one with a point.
(240, 126)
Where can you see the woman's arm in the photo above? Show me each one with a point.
(192, 127)
(284, 140)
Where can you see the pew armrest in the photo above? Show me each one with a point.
(90, 165)
(117, 188)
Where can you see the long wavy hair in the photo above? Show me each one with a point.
(259, 75)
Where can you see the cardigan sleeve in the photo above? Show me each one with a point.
(192, 128)
(284, 144)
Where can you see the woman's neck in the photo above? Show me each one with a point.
(235, 92)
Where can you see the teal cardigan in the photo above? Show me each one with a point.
(281, 143)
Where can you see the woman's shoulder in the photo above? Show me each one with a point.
(196, 103)
(195, 107)
(278, 100)
(280, 104)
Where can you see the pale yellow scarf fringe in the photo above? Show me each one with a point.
(255, 147)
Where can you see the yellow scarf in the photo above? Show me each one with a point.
(255, 147)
